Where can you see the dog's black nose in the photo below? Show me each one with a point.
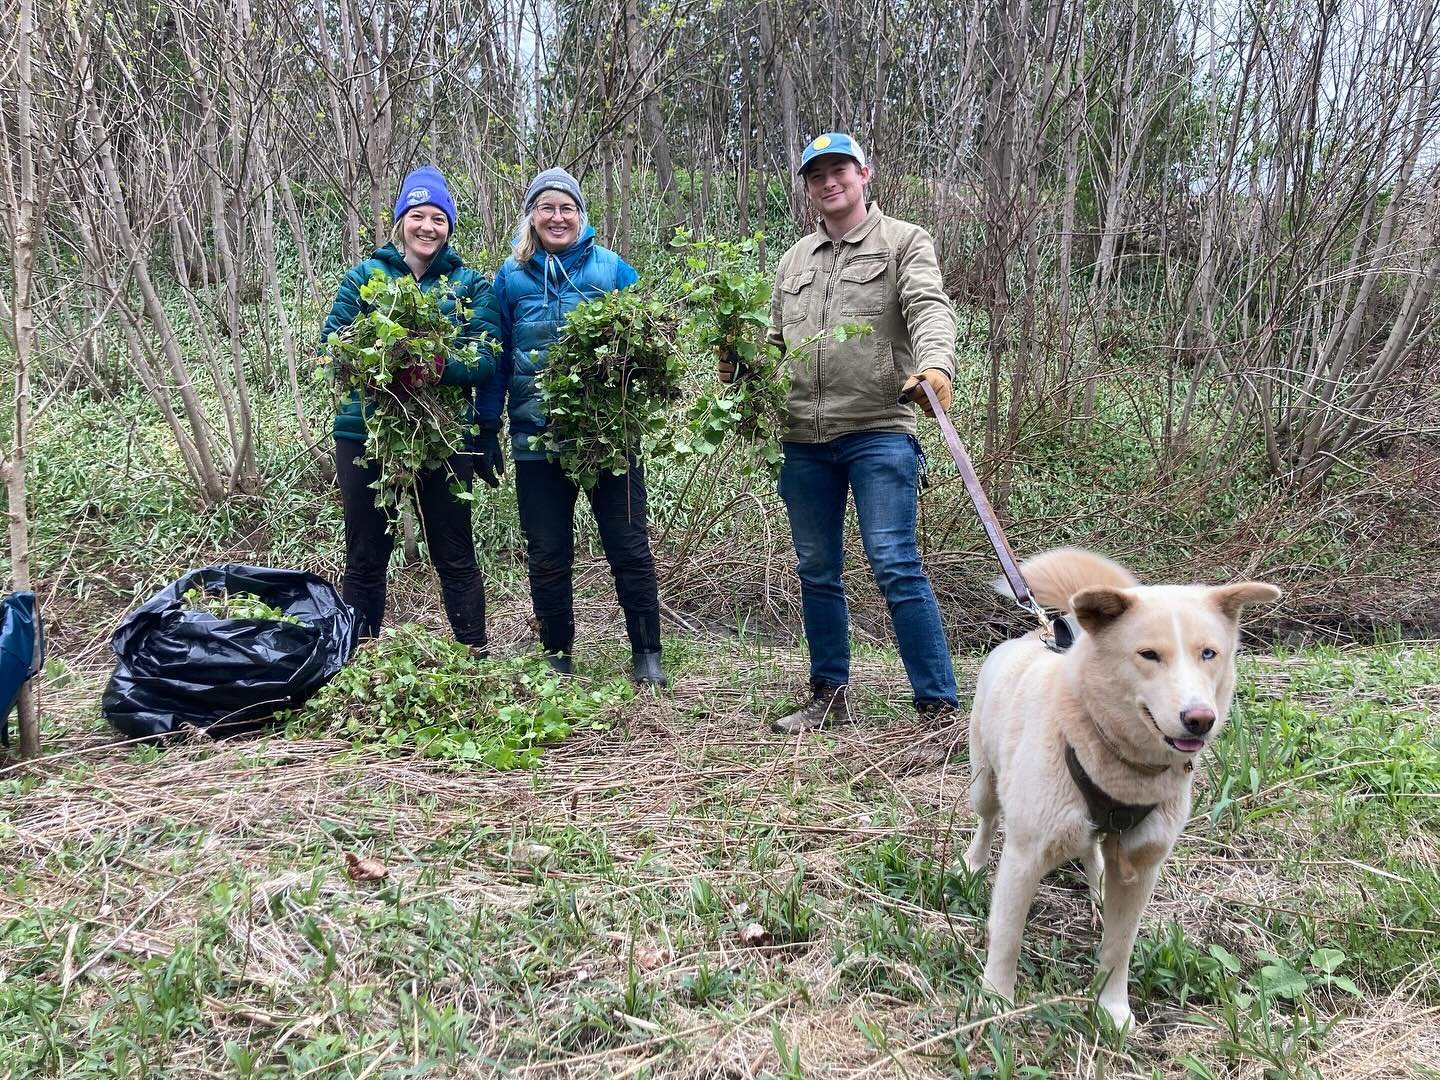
(1198, 719)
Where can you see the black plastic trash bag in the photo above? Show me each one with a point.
(181, 667)
(22, 651)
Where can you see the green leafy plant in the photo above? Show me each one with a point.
(233, 605)
(728, 297)
(414, 690)
(790, 1066)
(391, 357)
(606, 383)
(729, 302)
(1279, 978)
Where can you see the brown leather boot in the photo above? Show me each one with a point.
(828, 705)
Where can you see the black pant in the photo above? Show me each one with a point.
(445, 525)
(546, 497)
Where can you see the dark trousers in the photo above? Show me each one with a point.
(546, 497)
(445, 528)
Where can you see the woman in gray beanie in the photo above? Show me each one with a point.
(555, 266)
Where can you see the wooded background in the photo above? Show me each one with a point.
(1255, 184)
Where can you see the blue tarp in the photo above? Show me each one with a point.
(22, 652)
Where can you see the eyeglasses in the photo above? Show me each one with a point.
(548, 210)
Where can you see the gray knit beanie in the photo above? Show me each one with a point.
(553, 180)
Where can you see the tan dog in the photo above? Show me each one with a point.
(1139, 695)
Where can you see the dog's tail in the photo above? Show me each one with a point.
(1055, 576)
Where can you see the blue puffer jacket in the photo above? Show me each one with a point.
(462, 281)
(534, 300)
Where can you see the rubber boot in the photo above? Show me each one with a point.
(648, 671)
(558, 638)
(643, 629)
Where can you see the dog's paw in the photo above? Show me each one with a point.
(1005, 991)
(1120, 1015)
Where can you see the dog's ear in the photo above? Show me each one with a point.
(1231, 598)
(1098, 607)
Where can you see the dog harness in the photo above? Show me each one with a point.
(1107, 813)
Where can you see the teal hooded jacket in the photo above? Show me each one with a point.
(462, 281)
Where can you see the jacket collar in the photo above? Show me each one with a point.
(819, 238)
(446, 261)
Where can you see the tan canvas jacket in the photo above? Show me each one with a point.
(882, 273)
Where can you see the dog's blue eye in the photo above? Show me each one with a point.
(1150, 654)
(1207, 654)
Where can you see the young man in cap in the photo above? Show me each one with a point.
(848, 432)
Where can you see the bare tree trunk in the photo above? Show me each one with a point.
(343, 124)
(23, 210)
(654, 123)
(297, 232)
(999, 209)
(287, 340)
(212, 485)
(245, 472)
(784, 83)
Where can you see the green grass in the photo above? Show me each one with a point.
(686, 891)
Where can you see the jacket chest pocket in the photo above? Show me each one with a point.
(864, 289)
(795, 293)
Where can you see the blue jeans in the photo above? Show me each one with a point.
(882, 469)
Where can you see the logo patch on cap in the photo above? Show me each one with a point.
(821, 143)
(417, 195)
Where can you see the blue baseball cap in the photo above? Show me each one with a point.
(833, 142)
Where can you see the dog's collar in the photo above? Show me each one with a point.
(1107, 813)
(1138, 766)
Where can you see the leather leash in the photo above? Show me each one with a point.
(1009, 566)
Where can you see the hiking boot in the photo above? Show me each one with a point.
(938, 713)
(828, 705)
(560, 663)
(648, 671)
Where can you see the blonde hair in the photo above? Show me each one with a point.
(527, 240)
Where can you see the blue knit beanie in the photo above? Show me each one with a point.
(425, 187)
(554, 180)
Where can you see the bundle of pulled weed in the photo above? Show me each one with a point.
(606, 384)
(391, 357)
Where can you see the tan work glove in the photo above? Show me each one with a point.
(939, 382)
(731, 367)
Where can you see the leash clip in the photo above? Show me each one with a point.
(1055, 635)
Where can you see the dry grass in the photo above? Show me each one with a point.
(560, 922)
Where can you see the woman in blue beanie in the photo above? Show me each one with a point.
(420, 246)
(557, 264)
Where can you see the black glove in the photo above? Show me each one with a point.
(489, 461)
